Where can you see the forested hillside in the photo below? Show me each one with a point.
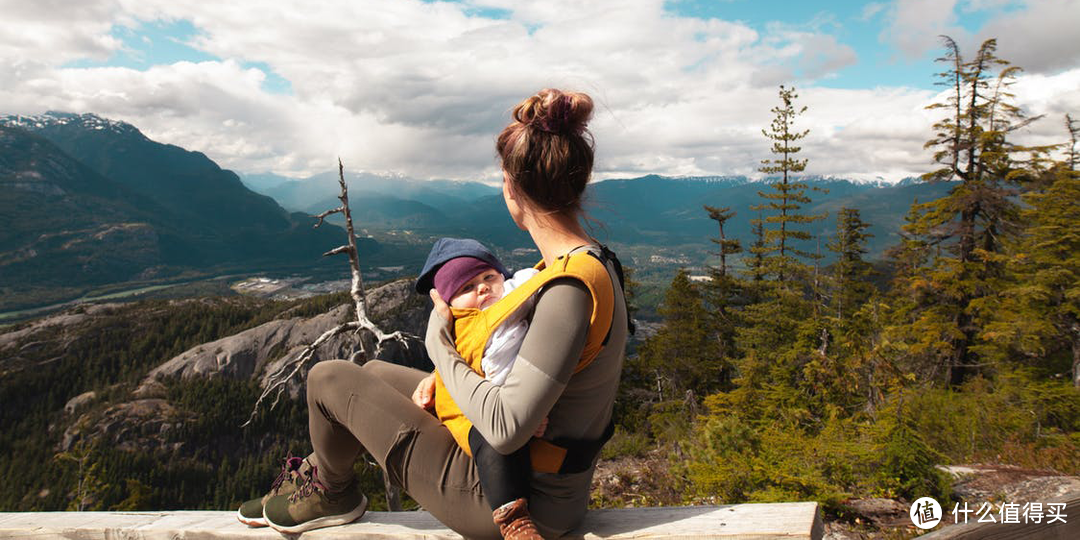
(86, 425)
(796, 381)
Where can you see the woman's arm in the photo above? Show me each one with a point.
(506, 416)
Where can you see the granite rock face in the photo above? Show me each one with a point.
(129, 426)
(263, 350)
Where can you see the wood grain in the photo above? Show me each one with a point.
(729, 522)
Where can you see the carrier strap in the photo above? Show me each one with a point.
(473, 328)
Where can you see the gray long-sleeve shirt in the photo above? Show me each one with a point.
(542, 384)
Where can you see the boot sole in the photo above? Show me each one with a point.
(326, 521)
(251, 522)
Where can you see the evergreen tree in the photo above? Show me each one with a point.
(789, 195)
(1038, 314)
(1070, 148)
(971, 147)
(727, 246)
(725, 295)
(778, 338)
(682, 354)
(850, 272)
(758, 249)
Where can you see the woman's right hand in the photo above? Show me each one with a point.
(424, 395)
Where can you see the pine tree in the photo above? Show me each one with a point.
(727, 246)
(682, 354)
(1070, 147)
(789, 196)
(725, 295)
(1037, 316)
(851, 288)
(972, 147)
(758, 249)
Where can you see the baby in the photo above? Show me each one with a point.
(467, 275)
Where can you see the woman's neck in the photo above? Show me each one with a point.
(555, 235)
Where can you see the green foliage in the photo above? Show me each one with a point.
(777, 248)
(841, 390)
(207, 462)
(971, 225)
(682, 355)
(1037, 313)
(1017, 411)
(851, 286)
(734, 460)
(906, 463)
(626, 444)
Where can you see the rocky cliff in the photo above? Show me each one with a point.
(141, 416)
(261, 351)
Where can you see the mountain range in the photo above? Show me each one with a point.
(87, 202)
(651, 210)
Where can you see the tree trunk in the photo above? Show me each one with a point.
(1076, 356)
(723, 251)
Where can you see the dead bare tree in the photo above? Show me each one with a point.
(277, 382)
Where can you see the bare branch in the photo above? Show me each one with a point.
(323, 215)
(337, 251)
(278, 382)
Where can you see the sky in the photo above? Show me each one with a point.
(421, 88)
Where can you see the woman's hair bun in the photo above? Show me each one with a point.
(554, 111)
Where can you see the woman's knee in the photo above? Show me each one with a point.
(325, 376)
(377, 368)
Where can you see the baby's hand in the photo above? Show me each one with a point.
(424, 395)
(541, 428)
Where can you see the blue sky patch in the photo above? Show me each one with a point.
(162, 42)
(877, 62)
(273, 83)
(151, 43)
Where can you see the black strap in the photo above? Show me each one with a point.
(581, 453)
(608, 255)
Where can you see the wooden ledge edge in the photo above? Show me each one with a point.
(742, 521)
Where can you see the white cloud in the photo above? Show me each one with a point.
(916, 24)
(55, 29)
(871, 10)
(1041, 38)
(423, 88)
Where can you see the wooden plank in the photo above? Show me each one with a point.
(1070, 530)
(730, 522)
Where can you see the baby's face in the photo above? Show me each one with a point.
(484, 289)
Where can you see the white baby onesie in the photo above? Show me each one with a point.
(505, 342)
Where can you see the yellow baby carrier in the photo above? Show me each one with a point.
(473, 328)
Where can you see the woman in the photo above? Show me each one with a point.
(547, 156)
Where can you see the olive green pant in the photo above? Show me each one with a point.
(353, 408)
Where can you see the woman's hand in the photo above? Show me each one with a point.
(541, 428)
(424, 395)
(440, 306)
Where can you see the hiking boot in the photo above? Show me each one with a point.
(251, 512)
(312, 506)
(514, 521)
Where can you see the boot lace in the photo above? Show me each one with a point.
(310, 485)
(288, 466)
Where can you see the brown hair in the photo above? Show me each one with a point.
(547, 152)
